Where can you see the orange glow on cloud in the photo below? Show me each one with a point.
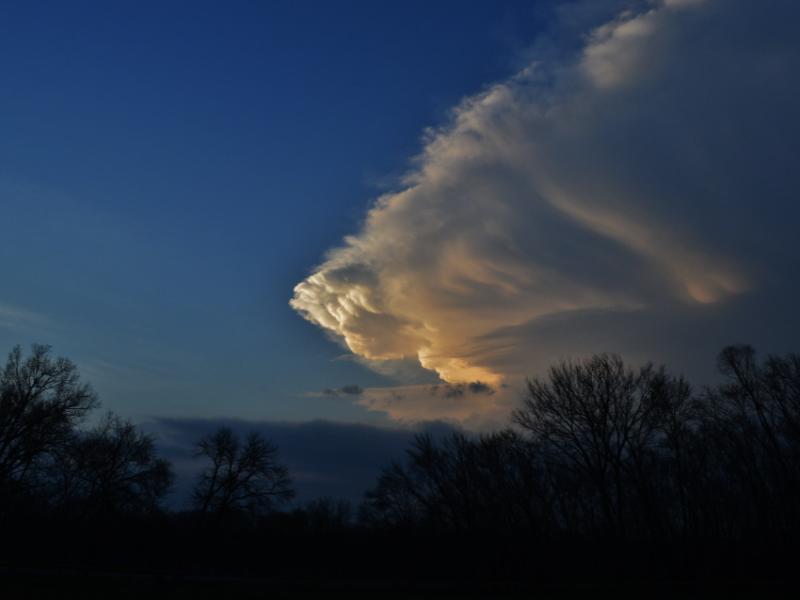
(542, 201)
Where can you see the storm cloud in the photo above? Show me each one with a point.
(637, 196)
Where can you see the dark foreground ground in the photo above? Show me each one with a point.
(92, 591)
(105, 590)
(24, 583)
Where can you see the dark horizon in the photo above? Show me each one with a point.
(668, 484)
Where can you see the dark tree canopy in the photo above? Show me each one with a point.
(607, 472)
(752, 426)
(242, 477)
(42, 400)
(489, 483)
(112, 468)
(605, 424)
(603, 451)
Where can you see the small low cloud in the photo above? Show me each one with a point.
(347, 390)
(478, 387)
(457, 390)
(351, 390)
(453, 391)
(17, 319)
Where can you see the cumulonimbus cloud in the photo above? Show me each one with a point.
(621, 181)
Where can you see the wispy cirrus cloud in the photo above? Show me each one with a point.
(646, 177)
(16, 319)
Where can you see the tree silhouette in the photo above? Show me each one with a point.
(490, 484)
(752, 421)
(243, 477)
(41, 401)
(112, 469)
(605, 424)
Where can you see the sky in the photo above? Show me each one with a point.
(342, 223)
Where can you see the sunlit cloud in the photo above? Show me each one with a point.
(475, 405)
(618, 184)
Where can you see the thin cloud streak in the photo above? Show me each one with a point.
(17, 319)
(619, 182)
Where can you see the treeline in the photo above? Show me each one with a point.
(602, 451)
(71, 494)
(614, 474)
(605, 473)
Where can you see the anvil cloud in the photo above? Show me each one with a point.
(647, 177)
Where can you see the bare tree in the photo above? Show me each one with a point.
(782, 383)
(395, 501)
(243, 477)
(513, 492)
(41, 401)
(605, 423)
(752, 422)
(493, 483)
(112, 468)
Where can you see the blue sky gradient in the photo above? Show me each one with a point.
(170, 171)
(474, 187)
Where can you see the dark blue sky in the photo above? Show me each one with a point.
(170, 171)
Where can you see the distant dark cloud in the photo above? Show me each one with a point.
(351, 390)
(635, 195)
(453, 391)
(478, 387)
(449, 390)
(337, 459)
(347, 390)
